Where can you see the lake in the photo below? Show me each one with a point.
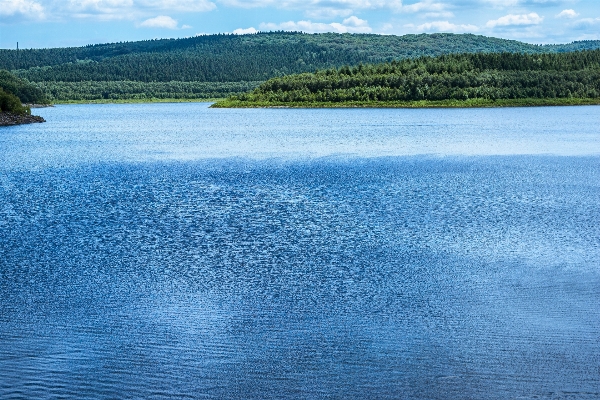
(176, 251)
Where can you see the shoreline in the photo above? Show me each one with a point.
(10, 119)
(472, 103)
(226, 103)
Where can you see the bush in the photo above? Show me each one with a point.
(11, 103)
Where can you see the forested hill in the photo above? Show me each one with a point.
(235, 58)
(480, 79)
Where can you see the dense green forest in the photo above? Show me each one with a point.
(485, 76)
(25, 91)
(132, 90)
(229, 58)
(14, 92)
(226, 59)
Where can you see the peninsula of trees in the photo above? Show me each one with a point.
(218, 66)
(457, 80)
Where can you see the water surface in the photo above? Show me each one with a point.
(175, 251)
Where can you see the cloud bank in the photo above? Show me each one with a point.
(21, 9)
(529, 20)
(516, 19)
(99, 9)
(352, 24)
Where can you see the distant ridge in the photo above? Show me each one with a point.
(234, 58)
(249, 57)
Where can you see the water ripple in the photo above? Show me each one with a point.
(416, 277)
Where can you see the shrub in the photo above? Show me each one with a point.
(11, 103)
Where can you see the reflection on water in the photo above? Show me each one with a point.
(142, 264)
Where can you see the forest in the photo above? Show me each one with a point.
(14, 92)
(24, 90)
(133, 90)
(222, 65)
(455, 77)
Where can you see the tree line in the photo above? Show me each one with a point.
(459, 77)
(256, 57)
(128, 90)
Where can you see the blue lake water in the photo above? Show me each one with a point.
(176, 251)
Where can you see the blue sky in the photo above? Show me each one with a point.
(62, 23)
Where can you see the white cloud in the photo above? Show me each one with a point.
(179, 5)
(162, 21)
(97, 6)
(567, 14)
(426, 5)
(589, 36)
(585, 23)
(316, 8)
(301, 4)
(443, 14)
(320, 9)
(502, 3)
(516, 19)
(101, 9)
(352, 24)
(328, 12)
(512, 3)
(444, 26)
(356, 22)
(546, 2)
(519, 19)
(105, 6)
(386, 29)
(110, 9)
(21, 8)
(242, 31)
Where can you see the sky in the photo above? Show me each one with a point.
(65, 23)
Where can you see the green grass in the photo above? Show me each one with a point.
(135, 101)
(471, 103)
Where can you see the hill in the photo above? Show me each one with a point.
(449, 80)
(229, 60)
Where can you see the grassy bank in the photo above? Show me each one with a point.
(471, 103)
